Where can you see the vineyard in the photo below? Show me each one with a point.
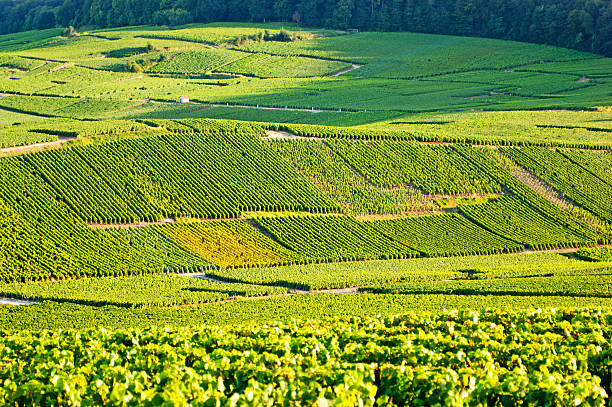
(400, 75)
(445, 235)
(515, 220)
(131, 180)
(229, 243)
(588, 285)
(355, 274)
(189, 173)
(43, 239)
(78, 108)
(137, 292)
(197, 62)
(432, 169)
(157, 247)
(597, 163)
(467, 357)
(270, 66)
(333, 238)
(545, 128)
(334, 218)
(574, 181)
(595, 254)
(340, 182)
(486, 162)
(273, 116)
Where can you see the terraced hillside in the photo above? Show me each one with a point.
(179, 181)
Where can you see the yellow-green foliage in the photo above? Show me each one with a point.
(553, 357)
(231, 243)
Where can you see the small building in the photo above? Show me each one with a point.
(183, 99)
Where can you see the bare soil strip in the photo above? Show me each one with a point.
(13, 301)
(62, 66)
(231, 299)
(29, 148)
(392, 216)
(347, 290)
(485, 95)
(232, 75)
(202, 276)
(273, 134)
(144, 224)
(130, 78)
(130, 225)
(345, 70)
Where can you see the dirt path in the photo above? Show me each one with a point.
(231, 299)
(202, 276)
(144, 224)
(62, 66)
(130, 78)
(290, 292)
(294, 109)
(29, 148)
(273, 134)
(345, 70)
(347, 290)
(392, 216)
(484, 95)
(48, 145)
(13, 301)
(130, 225)
(562, 250)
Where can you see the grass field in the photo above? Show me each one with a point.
(256, 244)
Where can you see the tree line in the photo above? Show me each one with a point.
(580, 24)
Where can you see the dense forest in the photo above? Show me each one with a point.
(580, 24)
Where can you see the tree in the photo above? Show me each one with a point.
(602, 39)
(284, 10)
(580, 24)
(208, 10)
(297, 17)
(45, 18)
(464, 16)
(69, 32)
(134, 66)
(342, 14)
(172, 17)
(65, 13)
